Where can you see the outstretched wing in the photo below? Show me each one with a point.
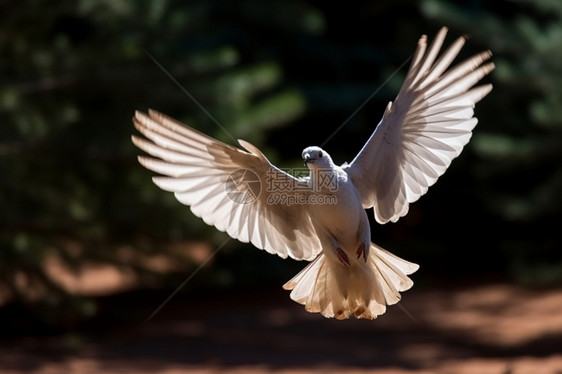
(425, 128)
(236, 191)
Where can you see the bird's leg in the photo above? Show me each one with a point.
(339, 251)
(342, 256)
(363, 251)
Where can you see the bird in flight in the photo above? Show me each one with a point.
(322, 217)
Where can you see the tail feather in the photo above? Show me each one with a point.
(301, 289)
(404, 266)
(362, 290)
(393, 271)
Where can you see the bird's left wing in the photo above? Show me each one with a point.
(236, 191)
(424, 129)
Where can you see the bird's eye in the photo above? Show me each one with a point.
(320, 154)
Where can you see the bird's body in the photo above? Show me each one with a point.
(322, 218)
(337, 210)
(345, 279)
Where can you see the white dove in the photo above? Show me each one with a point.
(321, 217)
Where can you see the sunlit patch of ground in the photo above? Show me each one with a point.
(495, 329)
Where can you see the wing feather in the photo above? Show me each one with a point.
(422, 131)
(202, 173)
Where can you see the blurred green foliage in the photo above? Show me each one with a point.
(72, 75)
(520, 147)
(282, 75)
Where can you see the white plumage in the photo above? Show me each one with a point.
(240, 192)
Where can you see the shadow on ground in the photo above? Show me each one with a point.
(497, 328)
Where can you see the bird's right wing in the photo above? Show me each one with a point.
(236, 191)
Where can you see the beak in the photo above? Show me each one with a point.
(306, 159)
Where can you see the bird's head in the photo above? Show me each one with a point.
(316, 157)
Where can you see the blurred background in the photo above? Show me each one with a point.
(88, 243)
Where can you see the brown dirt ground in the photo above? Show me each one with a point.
(485, 329)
